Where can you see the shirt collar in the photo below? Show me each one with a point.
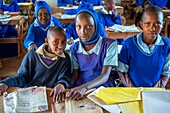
(42, 51)
(159, 40)
(36, 24)
(6, 4)
(95, 49)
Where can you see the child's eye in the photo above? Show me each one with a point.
(56, 42)
(88, 27)
(157, 24)
(78, 27)
(147, 24)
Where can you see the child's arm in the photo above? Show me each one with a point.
(22, 76)
(3, 88)
(1, 11)
(125, 80)
(58, 93)
(29, 40)
(162, 81)
(78, 92)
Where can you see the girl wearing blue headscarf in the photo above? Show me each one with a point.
(68, 3)
(92, 58)
(93, 2)
(38, 29)
(71, 29)
(8, 31)
(160, 3)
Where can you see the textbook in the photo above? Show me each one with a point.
(33, 99)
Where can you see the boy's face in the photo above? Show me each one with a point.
(43, 16)
(85, 26)
(151, 24)
(8, 1)
(110, 5)
(56, 42)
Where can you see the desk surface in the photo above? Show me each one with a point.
(69, 106)
(119, 35)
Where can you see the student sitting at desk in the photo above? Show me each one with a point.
(164, 4)
(47, 66)
(8, 31)
(92, 2)
(144, 59)
(92, 57)
(140, 6)
(68, 3)
(9, 5)
(38, 29)
(108, 16)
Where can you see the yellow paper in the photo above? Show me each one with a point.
(128, 99)
(119, 95)
(132, 107)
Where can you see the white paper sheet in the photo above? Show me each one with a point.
(66, 16)
(156, 101)
(114, 108)
(121, 28)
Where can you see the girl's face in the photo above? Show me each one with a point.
(85, 26)
(8, 1)
(43, 16)
(151, 24)
(56, 42)
(110, 5)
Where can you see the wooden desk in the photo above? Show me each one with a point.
(66, 21)
(69, 106)
(27, 6)
(166, 12)
(119, 35)
(16, 20)
(119, 9)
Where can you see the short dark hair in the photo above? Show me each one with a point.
(54, 29)
(154, 9)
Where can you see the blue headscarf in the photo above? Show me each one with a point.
(38, 6)
(89, 9)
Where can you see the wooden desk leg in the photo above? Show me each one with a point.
(19, 36)
(0, 64)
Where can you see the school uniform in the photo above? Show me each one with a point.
(38, 32)
(109, 19)
(90, 63)
(159, 3)
(145, 65)
(8, 31)
(93, 2)
(13, 7)
(140, 2)
(20, 1)
(64, 2)
(37, 70)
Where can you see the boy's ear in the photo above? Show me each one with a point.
(140, 22)
(46, 40)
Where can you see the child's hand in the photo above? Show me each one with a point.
(3, 87)
(32, 46)
(70, 41)
(1, 11)
(58, 93)
(76, 93)
(69, 5)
